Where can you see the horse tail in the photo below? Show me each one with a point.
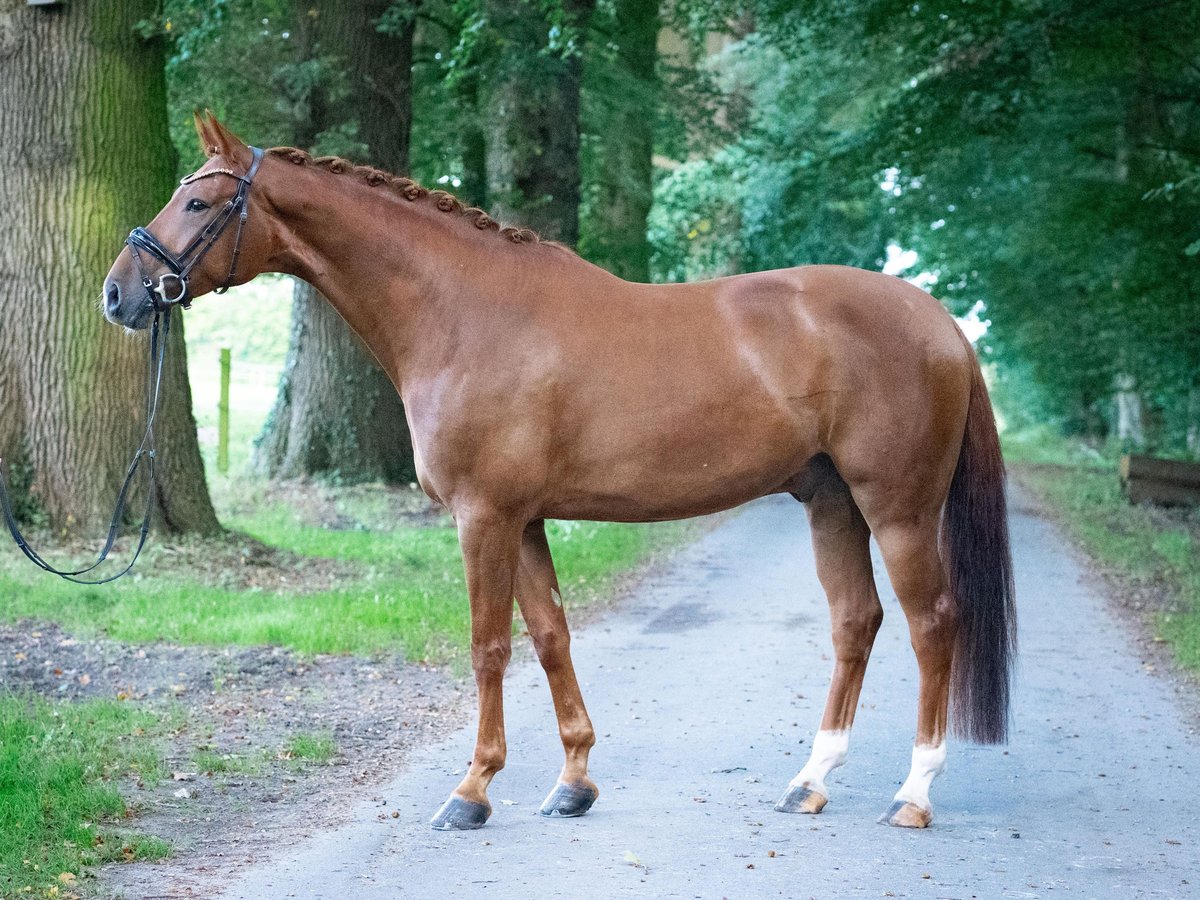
(974, 538)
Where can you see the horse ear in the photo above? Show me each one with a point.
(225, 143)
(208, 143)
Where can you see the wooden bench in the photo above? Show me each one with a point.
(1165, 482)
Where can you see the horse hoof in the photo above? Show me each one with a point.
(460, 814)
(801, 799)
(570, 800)
(903, 814)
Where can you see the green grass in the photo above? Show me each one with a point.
(409, 595)
(60, 806)
(212, 762)
(1141, 544)
(316, 748)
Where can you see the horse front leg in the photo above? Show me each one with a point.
(541, 607)
(490, 548)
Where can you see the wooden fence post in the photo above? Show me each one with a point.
(223, 415)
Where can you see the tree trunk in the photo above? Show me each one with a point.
(85, 157)
(337, 413)
(1130, 429)
(1193, 420)
(621, 98)
(531, 98)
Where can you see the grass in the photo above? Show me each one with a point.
(60, 807)
(214, 763)
(1145, 545)
(315, 748)
(409, 595)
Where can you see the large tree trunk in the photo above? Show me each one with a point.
(85, 156)
(531, 100)
(621, 99)
(336, 412)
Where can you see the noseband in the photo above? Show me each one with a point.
(172, 287)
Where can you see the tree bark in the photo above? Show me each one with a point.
(621, 98)
(531, 100)
(85, 157)
(336, 412)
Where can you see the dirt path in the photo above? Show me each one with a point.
(705, 689)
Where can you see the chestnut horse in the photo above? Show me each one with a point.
(539, 386)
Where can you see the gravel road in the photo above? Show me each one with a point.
(705, 690)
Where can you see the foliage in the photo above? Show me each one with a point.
(773, 196)
(60, 804)
(1041, 157)
(1043, 160)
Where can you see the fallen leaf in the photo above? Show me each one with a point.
(66, 877)
(182, 776)
(631, 858)
(183, 793)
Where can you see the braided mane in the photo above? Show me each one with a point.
(409, 190)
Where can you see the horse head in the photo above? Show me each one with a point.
(207, 238)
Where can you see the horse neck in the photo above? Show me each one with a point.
(393, 268)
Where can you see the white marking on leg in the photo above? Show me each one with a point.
(927, 763)
(829, 751)
(557, 596)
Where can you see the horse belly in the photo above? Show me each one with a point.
(705, 465)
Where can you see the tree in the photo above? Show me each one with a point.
(336, 412)
(620, 113)
(530, 92)
(86, 157)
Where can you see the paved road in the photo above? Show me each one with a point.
(705, 690)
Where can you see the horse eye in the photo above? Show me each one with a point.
(196, 205)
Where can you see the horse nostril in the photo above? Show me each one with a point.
(112, 297)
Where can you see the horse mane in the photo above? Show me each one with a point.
(410, 190)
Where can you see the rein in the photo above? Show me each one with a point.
(159, 332)
(161, 299)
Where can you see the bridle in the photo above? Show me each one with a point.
(175, 281)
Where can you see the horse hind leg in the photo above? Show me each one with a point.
(841, 545)
(910, 551)
(541, 606)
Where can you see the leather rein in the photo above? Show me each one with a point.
(171, 290)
